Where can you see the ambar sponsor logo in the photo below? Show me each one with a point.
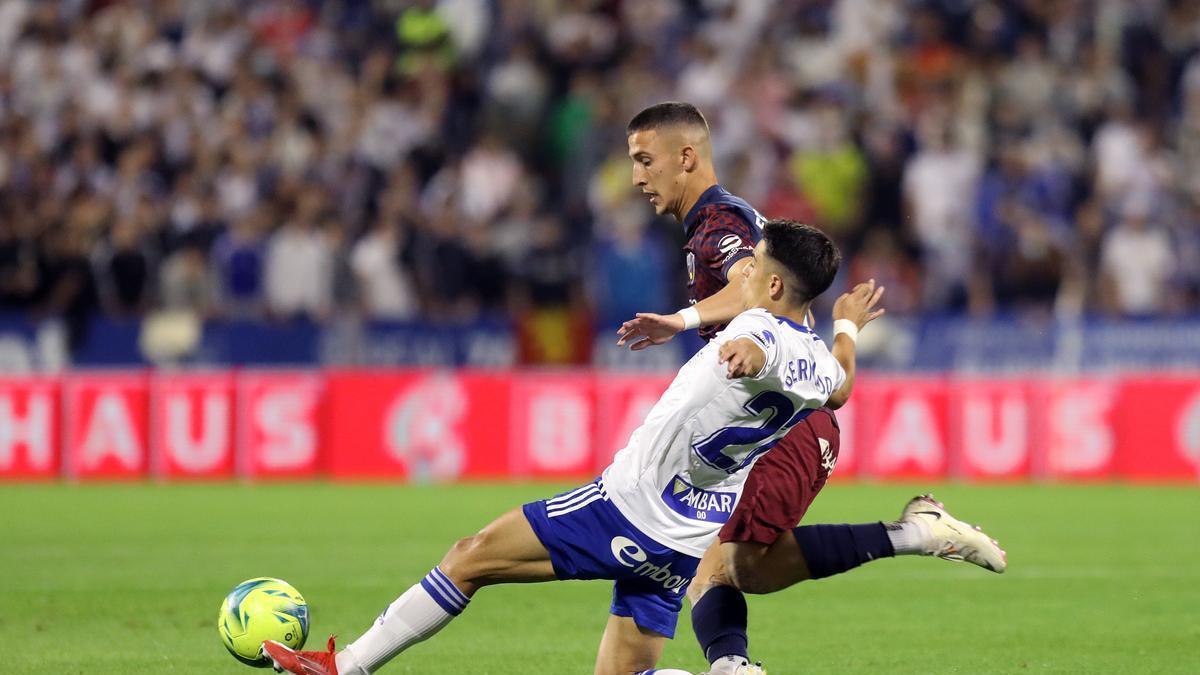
(695, 503)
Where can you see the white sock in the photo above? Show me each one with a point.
(414, 617)
(908, 537)
(727, 665)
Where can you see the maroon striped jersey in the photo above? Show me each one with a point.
(721, 228)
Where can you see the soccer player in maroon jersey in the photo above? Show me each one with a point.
(670, 147)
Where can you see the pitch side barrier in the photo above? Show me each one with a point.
(445, 425)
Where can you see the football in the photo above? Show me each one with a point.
(262, 609)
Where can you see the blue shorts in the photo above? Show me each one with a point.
(588, 538)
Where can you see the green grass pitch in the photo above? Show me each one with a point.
(128, 579)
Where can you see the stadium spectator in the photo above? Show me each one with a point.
(185, 284)
(630, 269)
(238, 260)
(939, 185)
(550, 302)
(123, 270)
(990, 138)
(298, 265)
(386, 290)
(1137, 260)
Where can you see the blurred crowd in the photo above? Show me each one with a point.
(451, 159)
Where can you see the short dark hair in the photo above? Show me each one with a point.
(808, 253)
(666, 114)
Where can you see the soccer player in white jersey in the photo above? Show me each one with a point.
(649, 518)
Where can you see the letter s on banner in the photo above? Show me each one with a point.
(279, 430)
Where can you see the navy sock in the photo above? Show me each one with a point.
(719, 621)
(833, 549)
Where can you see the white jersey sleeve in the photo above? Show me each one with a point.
(760, 328)
(805, 370)
(681, 474)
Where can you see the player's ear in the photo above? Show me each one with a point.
(688, 158)
(776, 288)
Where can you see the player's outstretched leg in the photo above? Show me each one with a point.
(949, 538)
(506, 551)
(719, 616)
(924, 528)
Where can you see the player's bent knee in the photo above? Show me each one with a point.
(461, 561)
(702, 584)
(470, 560)
(744, 568)
(747, 580)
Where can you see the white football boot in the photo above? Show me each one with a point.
(744, 669)
(950, 538)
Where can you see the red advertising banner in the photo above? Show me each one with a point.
(279, 426)
(1074, 427)
(1157, 428)
(990, 426)
(449, 425)
(552, 426)
(901, 428)
(622, 403)
(29, 424)
(107, 425)
(192, 419)
(422, 425)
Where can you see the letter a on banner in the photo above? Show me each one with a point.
(110, 435)
(106, 420)
(911, 439)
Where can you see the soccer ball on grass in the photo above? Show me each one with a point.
(262, 609)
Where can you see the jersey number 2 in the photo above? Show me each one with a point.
(783, 416)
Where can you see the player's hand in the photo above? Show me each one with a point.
(859, 304)
(745, 358)
(647, 330)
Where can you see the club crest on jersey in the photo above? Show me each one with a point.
(691, 263)
(692, 502)
(828, 460)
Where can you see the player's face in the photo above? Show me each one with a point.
(653, 171)
(757, 280)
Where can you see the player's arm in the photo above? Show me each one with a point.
(743, 358)
(647, 329)
(851, 313)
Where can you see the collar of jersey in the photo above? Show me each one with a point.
(793, 324)
(707, 197)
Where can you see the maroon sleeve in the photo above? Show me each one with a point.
(726, 238)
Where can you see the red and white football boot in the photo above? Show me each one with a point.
(288, 660)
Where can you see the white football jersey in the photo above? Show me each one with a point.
(681, 474)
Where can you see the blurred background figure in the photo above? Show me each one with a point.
(462, 161)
